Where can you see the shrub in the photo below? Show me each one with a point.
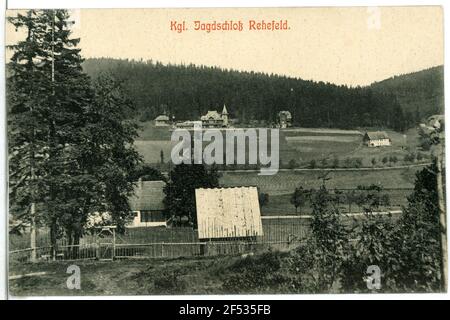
(419, 156)
(373, 161)
(255, 274)
(292, 164)
(409, 157)
(169, 282)
(358, 162)
(393, 159)
(335, 162)
(348, 162)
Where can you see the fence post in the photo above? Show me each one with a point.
(97, 247)
(33, 233)
(114, 244)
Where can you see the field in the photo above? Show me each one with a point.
(397, 182)
(304, 145)
(298, 144)
(287, 181)
(150, 150)
(295, 144)
(324, 146)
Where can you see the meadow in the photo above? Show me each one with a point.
(300, 146)
(398, 183)
(327, 148)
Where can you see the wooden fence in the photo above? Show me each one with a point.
(279, 233)
(160, 242)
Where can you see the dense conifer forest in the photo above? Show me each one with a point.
(188, 91)
(419, 93)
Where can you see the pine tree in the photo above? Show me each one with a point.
(27, 130)
(69, 95)
(77, 131)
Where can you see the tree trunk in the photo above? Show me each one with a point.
(443, 222)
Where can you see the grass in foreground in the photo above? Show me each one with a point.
(215, 275)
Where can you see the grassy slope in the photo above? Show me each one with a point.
(262, 273)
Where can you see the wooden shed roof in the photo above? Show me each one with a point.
(228, 212)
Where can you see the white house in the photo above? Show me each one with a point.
(376, 139)
(162, 121)
(147, 204)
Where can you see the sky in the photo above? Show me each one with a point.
(352, 46)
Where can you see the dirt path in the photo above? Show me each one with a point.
(335, 169)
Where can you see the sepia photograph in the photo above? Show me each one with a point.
(225, 151)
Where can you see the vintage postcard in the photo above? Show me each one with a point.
(226, 151)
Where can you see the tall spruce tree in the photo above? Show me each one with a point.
(69, 96)
(27, 130)
(81, 134)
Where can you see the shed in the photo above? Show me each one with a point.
(147, 204)
(376, 139)
(228, 213)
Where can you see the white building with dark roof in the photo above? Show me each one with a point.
(162, 121)
(376, 139)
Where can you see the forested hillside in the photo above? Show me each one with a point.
(187, 91)
(419, 93)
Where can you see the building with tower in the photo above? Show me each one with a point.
(214, 119)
